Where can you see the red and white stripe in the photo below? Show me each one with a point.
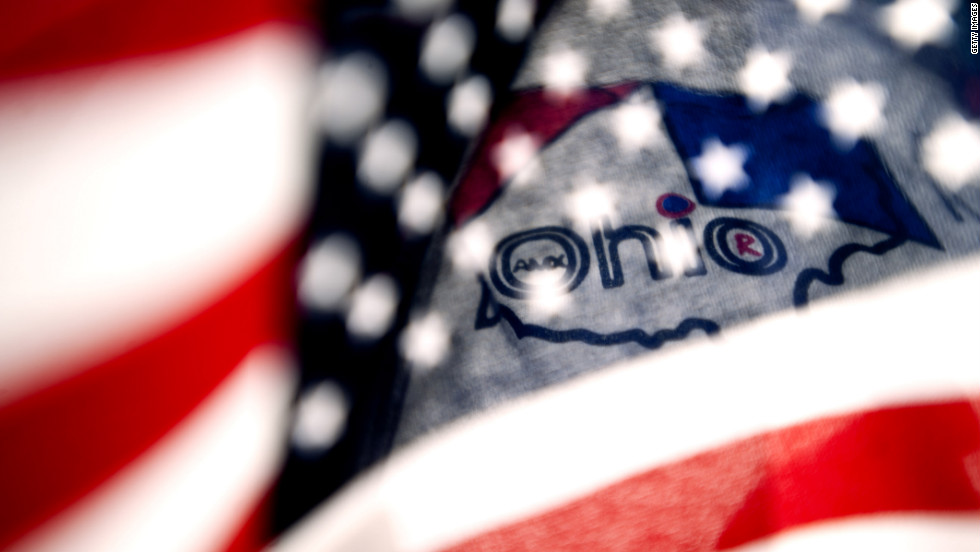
(856, 421)
(153, 184)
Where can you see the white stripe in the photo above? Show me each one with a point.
(191, 491)
(891, 532)
(908, 341)
(132, 193)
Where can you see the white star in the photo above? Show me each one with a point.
(515, 19)
(514, 152)
(680, 250)
(951, 152)
(425, 342)
(468, 104)
(765, 78)
(544, 299)
(386, 156)
(853, 110)
(329, 272)
(529, 173)
(815, 10)
(590, 202)
(810, 204)
(563, 71)
(603, 10)
(913, 23)
(635, 122)
(372, 308)
(446, 48)
(719, 167)
(352, 94)
(321, 416)
(420, 205)
(679, 41)
(470, 247)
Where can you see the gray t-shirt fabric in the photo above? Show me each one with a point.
(742, 158)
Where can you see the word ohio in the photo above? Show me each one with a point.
(557, 259)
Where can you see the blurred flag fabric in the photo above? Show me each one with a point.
(154, 160)
(435, 275)
(707, 281)
(165, 167)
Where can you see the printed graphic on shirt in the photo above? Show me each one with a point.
(721, 214)
(685, 170)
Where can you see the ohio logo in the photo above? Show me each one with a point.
(519, 270)
(730, 253)
(553, 260)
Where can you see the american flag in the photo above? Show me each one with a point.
(243, 246)
(155, 186)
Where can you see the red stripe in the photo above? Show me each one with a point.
(40, 37)
(537, 113)
(255, 531)
(917, 458)
(62, 442)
